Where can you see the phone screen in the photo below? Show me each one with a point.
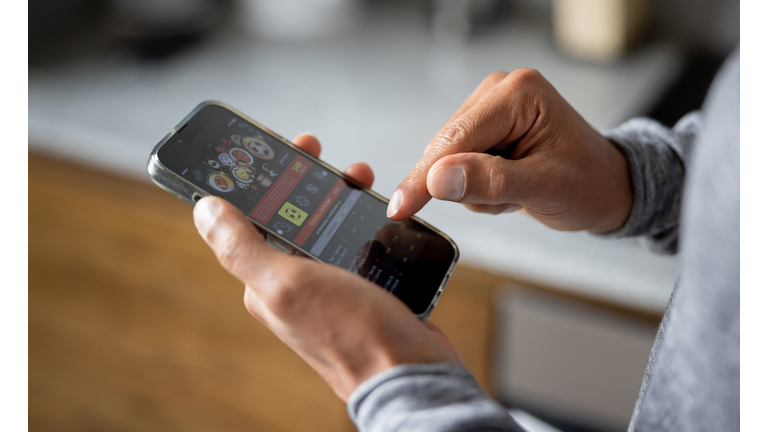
(300, 200)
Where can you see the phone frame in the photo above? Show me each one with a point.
(189, 192)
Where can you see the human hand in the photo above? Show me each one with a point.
(347, 328)
(561, 170)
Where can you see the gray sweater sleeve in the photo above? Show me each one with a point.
(657, 157)
(426, 397)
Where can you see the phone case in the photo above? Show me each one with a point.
(178, 186)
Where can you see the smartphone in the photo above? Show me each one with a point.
(302, 205)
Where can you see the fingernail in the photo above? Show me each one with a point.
(448, 182)
(206, 212)
(512, 208)
(394, 203)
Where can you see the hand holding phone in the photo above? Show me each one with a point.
(343, 326)
(303, 205)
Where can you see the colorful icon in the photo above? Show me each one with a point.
(243, 173)
(259, 147)
(221, 182)
(236, 139)
(214, 164)
(270, 170)
(292, 213)
(226, 159)
(241, 156)
(302, 200)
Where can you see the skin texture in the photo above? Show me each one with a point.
(561, 171)
(345, 327)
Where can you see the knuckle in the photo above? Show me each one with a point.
(455, 135)
(499, 182)
(495, 77)
(527, 75)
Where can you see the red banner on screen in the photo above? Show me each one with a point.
(277, 194)
(318, 214)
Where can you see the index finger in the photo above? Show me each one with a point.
(503, 115)
(308, 142)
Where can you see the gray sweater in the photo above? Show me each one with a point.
(686, 197)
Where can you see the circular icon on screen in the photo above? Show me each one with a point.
(236, 139)
(302, 200)
(241, 156)
(243, 173)
(213, 164)
(259, 147)
(281, 227)
(271, 171)
(220, 182)
(312, 188)
(321, 175)
(226, 159)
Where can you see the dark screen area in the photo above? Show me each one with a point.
(301, 201)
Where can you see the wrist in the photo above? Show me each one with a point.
(377, 353)
(617, 185)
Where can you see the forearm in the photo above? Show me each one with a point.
(435, 397)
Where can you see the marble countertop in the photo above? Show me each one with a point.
(378, 95)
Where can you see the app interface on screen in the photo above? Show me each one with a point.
(302, 201)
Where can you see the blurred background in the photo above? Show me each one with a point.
(132, 324)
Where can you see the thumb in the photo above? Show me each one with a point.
(479, 178)
(239, 247)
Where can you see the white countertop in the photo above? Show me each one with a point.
(377, 95)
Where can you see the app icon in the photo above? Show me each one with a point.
(243, 173)
(281, 227)
(312, 188)
(292, 213)
(226, 159)
(269, 169)
(221, 182)
(241, 156)
(302, 200)
(259, 147)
